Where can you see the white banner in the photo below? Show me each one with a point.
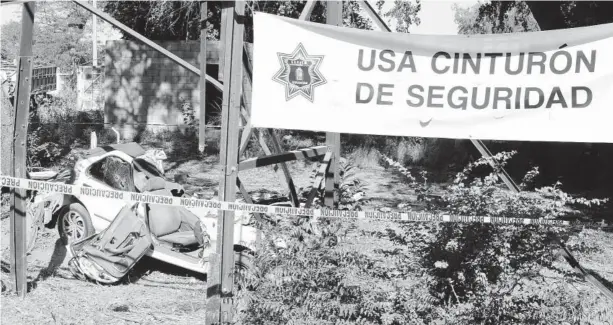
(540, 86)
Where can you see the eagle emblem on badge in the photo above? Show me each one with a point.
(299, 73)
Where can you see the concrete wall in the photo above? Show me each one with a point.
(90, 82)
(144, 87)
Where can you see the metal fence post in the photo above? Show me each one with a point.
(334, 16)
(203, 30)
(220, 285)
(18, 196)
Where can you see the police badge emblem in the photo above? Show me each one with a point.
(299, 73)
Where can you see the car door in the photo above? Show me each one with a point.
(108, 173)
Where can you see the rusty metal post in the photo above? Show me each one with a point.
(220, 284)
(334, 16)
(18, 196)
(94, 38)
(202, 127)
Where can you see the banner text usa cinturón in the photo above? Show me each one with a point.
(539, 86)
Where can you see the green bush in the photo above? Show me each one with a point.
(335, 272)
(316, 279)
(485, 273)
(351, 193)
(56, 127)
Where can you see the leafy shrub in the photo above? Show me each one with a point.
(302, 282)
(333, 272)
(42, 153)
(55, 128)
(485, 273)
(189, 116)
(315, 278)
(318, 279)
(351, 193)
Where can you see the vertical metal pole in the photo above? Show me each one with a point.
(18, 196)
(220, 288)
(334, 16)
(202, 128)
(95, 38)
(223, 30)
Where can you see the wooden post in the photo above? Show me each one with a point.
(220, 287)
(18, 196)
(334, 16)
(202, 127)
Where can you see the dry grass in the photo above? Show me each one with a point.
(595, 254)
(366, 157)
(154, 293)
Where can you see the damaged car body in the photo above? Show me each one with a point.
(108, 236)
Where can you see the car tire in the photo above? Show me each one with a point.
(243, 268)
(74, 223)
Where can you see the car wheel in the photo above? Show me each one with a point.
(75, 223)
(243, 268)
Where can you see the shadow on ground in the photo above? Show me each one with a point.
(606, 283)
(149, 265)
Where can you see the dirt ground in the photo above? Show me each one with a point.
(157, 293)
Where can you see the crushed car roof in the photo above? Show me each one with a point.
(132, 149)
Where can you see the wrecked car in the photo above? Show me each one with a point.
(123, 232)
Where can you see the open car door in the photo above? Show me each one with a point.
(108, 256)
